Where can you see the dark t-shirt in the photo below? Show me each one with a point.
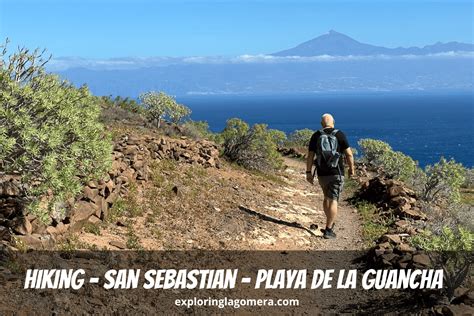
(342, 145)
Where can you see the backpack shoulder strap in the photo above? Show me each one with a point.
(334, 132)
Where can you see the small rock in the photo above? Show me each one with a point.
(83, 210)
(9, 189)
(388, 256)
(121, 223)
(94, 220)
(414, 214)
(394, 239)
(61, 228)
(405, 248)
(90, 193)
(52, 230)
(118, 244)
(384, 245)
(92, 184)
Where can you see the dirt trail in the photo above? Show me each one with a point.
(302, 202)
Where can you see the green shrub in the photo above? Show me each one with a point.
(49, 131)
(160, 105)
(440, 182)
(450, 250)
(373, 225)
(447, 240)
(300, 138)
(178, 112)
(127, 104)
(373, 149)
(278, 137)
(443, 181)
(469, 182)
(251, 147)
(197, 129)
(394, 163)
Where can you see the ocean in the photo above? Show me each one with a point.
(421, 125)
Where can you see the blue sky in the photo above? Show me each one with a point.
(140, 28)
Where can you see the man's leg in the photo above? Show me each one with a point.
(330, 209)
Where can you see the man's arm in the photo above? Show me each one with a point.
(350, 161)
(309, 166)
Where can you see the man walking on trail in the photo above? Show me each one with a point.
(328, 145)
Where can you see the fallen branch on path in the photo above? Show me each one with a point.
(276, 220)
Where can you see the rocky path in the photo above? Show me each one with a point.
(301, 202)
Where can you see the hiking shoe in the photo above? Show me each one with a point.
(329, 234)
(323, 229)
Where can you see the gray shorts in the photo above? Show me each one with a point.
(332, 186)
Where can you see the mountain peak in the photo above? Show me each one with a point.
(338, 44)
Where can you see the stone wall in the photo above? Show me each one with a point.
(394, 200)
(132, 156)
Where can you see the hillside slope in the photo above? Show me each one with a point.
(191, 207)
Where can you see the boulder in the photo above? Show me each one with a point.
(36, 241)
(94, 220)
(399, 201)
(402, 223)
(129, 174)
(109, 188)
(393, 239)
(118, 244)
(395, 190)
(100, 202)
(61, 228)
(9, 188)
(388, 257)
(4, 233)
(384, 245)
(407, 257)
(138, 164)
(82, 211)
(52, 231)
(405, 248)
(112, 197)
(133, 140)
(22, 226)
(413, 214)
(37, 226)
(90, 193)
(421, 259)
(92, 184)
(130, 150)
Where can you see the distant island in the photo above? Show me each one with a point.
(337, 44)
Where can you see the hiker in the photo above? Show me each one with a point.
(328, 145)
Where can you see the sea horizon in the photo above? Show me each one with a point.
(424, 125)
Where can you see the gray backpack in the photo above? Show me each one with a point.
(327, 156)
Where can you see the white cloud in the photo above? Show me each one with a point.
(64, 63)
